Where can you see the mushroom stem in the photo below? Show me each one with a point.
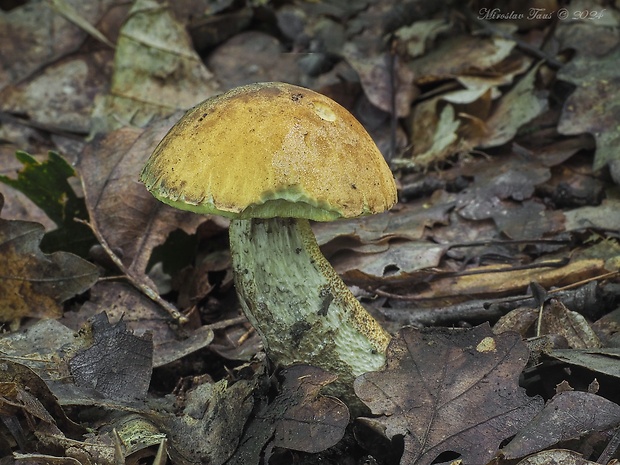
(298, 304)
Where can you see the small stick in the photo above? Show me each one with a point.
(144, 288)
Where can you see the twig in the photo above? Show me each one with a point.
(144, 288)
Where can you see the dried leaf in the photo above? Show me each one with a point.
(460, 55)
(386, 81)
(312, 423)
(603, 361)
(520, 105)
(170, 75)
(210, 423)
(298, 418)
(116, 363)
(62, 96)
(48, 35)
(31, 282)
(420, 34)
(40, 400)
(435, 133)
(141, 314)
(445, 390)
(569, 415)
(558, 320)
(603, 217)
(556, 457)
(261, 56)
(594, 107)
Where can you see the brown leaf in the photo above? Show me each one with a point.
(33, 283)
(63, 95)
(520, 105)
(32, 395)
(603, 361)
(49, 36)
(569, 415)
(501, 178)
(312, 423)
(140, 314)
(460, 55)
(169, 76)
(387, 82)
(298, 418)
(116, 363)
(449, 390)
(594, 107)
(556, 457)
(252, 56)
(559, 320)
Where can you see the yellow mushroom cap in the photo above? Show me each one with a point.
(270, 150)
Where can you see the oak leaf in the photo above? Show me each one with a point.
(449, 390)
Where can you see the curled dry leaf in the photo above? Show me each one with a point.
(569, 415)
(444, 390)
(32, 283)
(520, 105)
(23, 389)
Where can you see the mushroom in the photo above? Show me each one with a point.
(271, 156)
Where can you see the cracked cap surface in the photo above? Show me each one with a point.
(270, 150)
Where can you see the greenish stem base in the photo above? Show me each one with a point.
(298, 304)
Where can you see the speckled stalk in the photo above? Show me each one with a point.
(298, 304)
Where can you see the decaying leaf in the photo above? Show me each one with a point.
(435, 128)
(556, 457)
(31, 282)
(68, 88)
(115, 363)
(556, 320)
(569, 415)
(210, 422)
(312, 423)
(594, 106)
(140, 314)
(444, 390)
(387, 82)
(23, 390)
(460, 55)
(605, 361)
(298, 418)
(519, 106)
(48, 35)
(169, 76)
